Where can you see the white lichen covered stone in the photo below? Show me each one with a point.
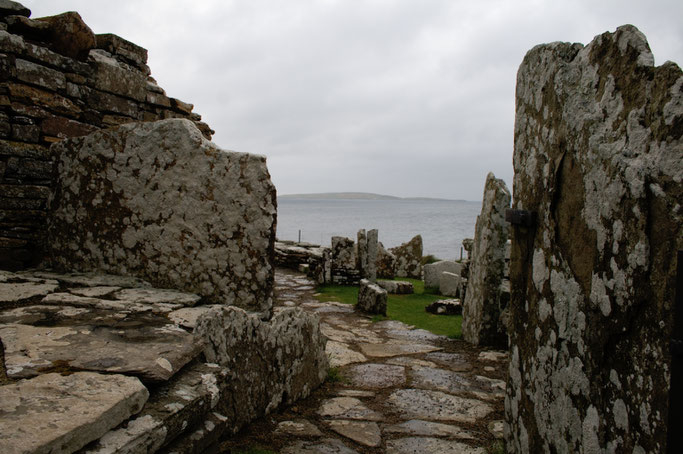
(432, 271)
(270, 363)
(408, 258)
(371, 298)
(483, 302)
(158, 201)
(61, 414)
(599, 157)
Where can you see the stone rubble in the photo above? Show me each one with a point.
(396, 287)
(372, 298)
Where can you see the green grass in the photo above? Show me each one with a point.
(252, 450)
(334, 375)
(409, 309)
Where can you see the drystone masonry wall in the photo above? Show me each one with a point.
(57, 80)
(484, 299)
(408, 258)
(158, 201)
(599, 159)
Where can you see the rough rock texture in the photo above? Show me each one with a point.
(270, 363)
(290, 254)
(397, 287)
(158, 201)
(344, 264)
(59, 80)
(385, 263)
(482, 305)
(432, 271)
(409, 258)
(599, 158)
(61, 414)
(372, 298)
(445, 307)
(449, 284)
(367, 254)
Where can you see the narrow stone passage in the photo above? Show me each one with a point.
(399, 390)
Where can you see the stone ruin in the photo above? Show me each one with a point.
(94, 355)
(598, 166)
(408, 258)
(487, 291)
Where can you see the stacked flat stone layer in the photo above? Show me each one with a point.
(158, 201)
(599, 158)
(60, 80)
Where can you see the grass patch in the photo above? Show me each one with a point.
(252, 450)
(498, 447)
(409, 309)
(334, 375)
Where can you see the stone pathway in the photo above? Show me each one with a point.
(402, 390)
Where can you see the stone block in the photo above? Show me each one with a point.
(483, 305)
(432, 271)
(38, 97)
(10, 8)
(64, 128)
(56, 413)
(42, 76)
(385, 263)
(449, 284)
(69, 35)
(118, 46)
(343, 253)
(445, 307)
(372, 298)
(396, 287)
(113, 78)
(158, 201)
(598, 158)
(408, 261)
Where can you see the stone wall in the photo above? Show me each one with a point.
(408, 258)
(59, 80)
(158, 201)
(599, 159)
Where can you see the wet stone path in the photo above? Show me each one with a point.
(398, 389)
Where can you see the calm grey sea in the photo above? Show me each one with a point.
(443, 224)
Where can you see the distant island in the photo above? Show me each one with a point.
(357, 196)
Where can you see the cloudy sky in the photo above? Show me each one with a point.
(398, 97)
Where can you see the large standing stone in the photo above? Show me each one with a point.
(385, 263)
(409, 258)
(432, 271)
(372, 298)
(158, 201)
(271, 362)
(599, 158)
(373, 248)
(61, 414)
(482, 306)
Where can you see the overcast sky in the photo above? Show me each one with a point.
(398, 97)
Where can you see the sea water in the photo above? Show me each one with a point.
(443, 224)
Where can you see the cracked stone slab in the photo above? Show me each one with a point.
(298, 428)
(453, 361)
(340, 354)
(377, 375)
(56, 413)
(187, 316)
(428, 428)
(52, 315)
(326, 446)
(437, 406)
(155, 296)
(414, 335)
(410, 362)
(94, 292)
(439, 380)
(395, 349)
(91, 279)
(98, 303)
(362, 432)
(348, 408)
(14, 292)
(153, 353)
(412, 445)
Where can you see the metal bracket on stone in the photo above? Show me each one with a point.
(520, 217)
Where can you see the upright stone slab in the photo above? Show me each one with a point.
(372, 298)
(345, 269)
(385, 263)
(432, 271)
(599, 159)
(409, 258)
(373, 242)
(362, 253)
(481, 323)
(158, 201)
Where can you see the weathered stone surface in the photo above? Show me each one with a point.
(40, 75)
(348, 408)
(112, 77)
(598, 159)
(69, 35)
(372, 298)
(154, 353)
(449, 284)
(437, 406)
(118, 46)
(377, 375)
(432, 271)
(326, 446)
(156, 296)
(409, 258)
(396, 287)
(271, 362)
(158, 201)
(60, 414)
(385, 263)
(373, 251)
(10, 8)
(90, 279)
(452, 361)
(413, 445)
(362, 432)
(482, 305)
(428, 428)
(341, 355)
(388, 350)
(299, 427)
(445, 307)
(343, 253)
(14, 292)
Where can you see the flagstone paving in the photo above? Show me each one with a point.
(402, 390)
